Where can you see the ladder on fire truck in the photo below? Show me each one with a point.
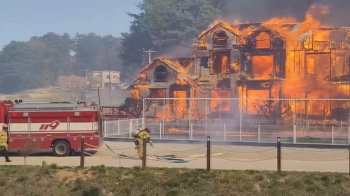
(46, 106)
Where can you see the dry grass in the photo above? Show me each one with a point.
(94, 181)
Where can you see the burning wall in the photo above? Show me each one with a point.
(165, 78)
(305, 56)
(262, 66)
(222, 102)
(277, 58)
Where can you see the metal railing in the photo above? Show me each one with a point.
(324, 121)
(121, 128)
(228, 132)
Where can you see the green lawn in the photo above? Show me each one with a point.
(52, 180)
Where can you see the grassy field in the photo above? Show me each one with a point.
(52, 180)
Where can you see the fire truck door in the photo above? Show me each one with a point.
(18, 132)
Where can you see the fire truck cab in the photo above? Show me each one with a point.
(50, 125)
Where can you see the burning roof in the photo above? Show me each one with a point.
(278, 27)
(222, 24)
(176, 64)
(181, 66)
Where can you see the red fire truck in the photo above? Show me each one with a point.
(50, 125)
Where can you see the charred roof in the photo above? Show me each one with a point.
(246, 25)
(184, 62)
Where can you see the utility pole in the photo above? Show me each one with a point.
(110, 85)
(109, 77)
(86, 85)
(149, 54)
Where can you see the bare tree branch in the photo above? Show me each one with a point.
(28, 148)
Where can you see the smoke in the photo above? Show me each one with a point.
(260, 10)
(177, 52)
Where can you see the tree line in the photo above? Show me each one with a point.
(163, 25)
(160, 25)
(41, 60)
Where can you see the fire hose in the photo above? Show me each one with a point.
(167, 158)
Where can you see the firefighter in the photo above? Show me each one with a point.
(139, 138)
(4, 142)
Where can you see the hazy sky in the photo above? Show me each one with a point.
(22, 19)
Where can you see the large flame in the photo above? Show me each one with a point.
(305, 75)
(303, 80)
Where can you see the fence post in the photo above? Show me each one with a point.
(224, 132)
(240, 125)
(160, 130)
(105, 128)
(118, 121)
(279, 155)
(349, 136)
(294, 134)
(144, 154)
(130, 128)
(206, 116)
(143, 113)
(208, 154)
(82, 151)
(191, 132)
(190, 115)
(341, 125)
(332, 134)
(259, 133)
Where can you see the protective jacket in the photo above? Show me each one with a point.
(3, 138)
(139, 139)
(142, 134)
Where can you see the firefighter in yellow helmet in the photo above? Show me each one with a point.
(4, 142)
(139, 138)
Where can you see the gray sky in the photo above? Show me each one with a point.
(22, 19)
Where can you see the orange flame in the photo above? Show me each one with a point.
(305, 73)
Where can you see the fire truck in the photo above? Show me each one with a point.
(56, 126)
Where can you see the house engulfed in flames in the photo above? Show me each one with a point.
(273, 59)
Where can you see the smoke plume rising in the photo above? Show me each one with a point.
(260, 10)
(177, 52)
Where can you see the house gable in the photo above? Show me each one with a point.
(205, 40)
(158, 62)
(219, 26)
(264, 38)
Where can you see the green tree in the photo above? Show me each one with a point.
(57, 55)
(41, 60)
(163, 24)
(94, 52)
(14, 69)
(132, 45)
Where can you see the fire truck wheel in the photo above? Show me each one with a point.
(61, 148)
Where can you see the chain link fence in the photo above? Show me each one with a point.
(249, 120)
(121, 128)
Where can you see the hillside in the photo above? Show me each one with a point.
(95, 181)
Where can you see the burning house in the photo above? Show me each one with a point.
(166, 78)
(236, 60)
(274, 59)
